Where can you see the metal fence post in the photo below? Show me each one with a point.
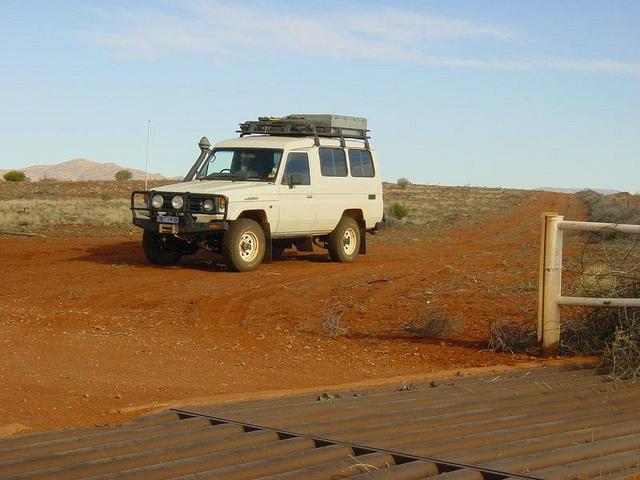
(552, 285)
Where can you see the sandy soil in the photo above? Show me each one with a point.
(89, 329)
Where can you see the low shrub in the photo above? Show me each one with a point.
(398, 211)
(14, 176)
(602, 208)
(510, 337)
(403, 183)
(621, 355)
(332, 319)
(432, 324)
(123, 175)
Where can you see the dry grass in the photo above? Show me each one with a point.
(621, 355)
(432, 324)
(55, 190)
(47, 206)
(433, 206)
(511, 337)
(332, 324)
(20, 215)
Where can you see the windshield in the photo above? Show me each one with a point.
(255, 164)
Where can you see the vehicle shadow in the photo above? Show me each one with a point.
(315, 257)
(130, 253)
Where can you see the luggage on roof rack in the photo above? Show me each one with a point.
(308, 125)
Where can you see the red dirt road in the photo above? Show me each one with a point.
(88, 328)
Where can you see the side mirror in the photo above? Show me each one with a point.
(294, 180)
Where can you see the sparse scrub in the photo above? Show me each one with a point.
(106, 196)
(398, 211)
(14, 176)
(403, 183)
(332, 319)
(37, 213)
(510, 337)
(621, 355)
(433, 206)
(123, 175)
(602, 208)
(611, 333)
(432, 324)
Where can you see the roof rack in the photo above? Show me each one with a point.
(309, 125)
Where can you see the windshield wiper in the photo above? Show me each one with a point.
(213, 176)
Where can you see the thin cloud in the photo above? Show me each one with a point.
(384, 34)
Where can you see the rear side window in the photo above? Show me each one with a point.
(332, 162)
(360, 163)
(297, 164)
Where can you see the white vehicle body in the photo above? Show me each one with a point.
(303, 210)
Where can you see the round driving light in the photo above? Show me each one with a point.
(157, 201)
(208, 205)
(177, 202)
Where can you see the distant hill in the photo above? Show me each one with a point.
(80, 169)
(603, 191)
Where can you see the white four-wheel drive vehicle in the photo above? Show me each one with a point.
(293, 181)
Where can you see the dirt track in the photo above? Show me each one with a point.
(88, 327)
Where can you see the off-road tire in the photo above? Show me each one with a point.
(344, 241)
(161, 249)
(243, 245)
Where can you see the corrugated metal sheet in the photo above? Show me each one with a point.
(546, 423)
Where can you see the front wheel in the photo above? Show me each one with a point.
(161, 249)
(243, 245)
(344, 241)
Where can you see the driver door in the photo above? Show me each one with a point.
(297, 205)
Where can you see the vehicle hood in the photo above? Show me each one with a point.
(222, 187)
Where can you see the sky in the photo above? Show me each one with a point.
(488, 93)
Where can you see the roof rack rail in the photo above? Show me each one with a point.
(309, 125)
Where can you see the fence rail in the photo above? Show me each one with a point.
(550, 296)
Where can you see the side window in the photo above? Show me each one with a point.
(332, 162)
(361, 163)
(297, 164)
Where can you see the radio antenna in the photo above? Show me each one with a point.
(146, 159)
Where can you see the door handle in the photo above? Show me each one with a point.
(309, 196)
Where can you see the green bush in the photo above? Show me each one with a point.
(15, 176)
(398, 211)
(123, 175)
(403, 183)
(106, 196)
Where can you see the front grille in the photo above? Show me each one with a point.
(192, 202)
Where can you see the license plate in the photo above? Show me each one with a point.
(167, 219)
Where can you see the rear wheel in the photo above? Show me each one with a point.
(344, 241)
(243, 245)
(161, 249)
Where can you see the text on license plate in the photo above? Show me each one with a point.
(167, 219)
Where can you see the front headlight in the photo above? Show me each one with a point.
(157, 201)
(177, 202)
(208, 205)
(222, 204)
